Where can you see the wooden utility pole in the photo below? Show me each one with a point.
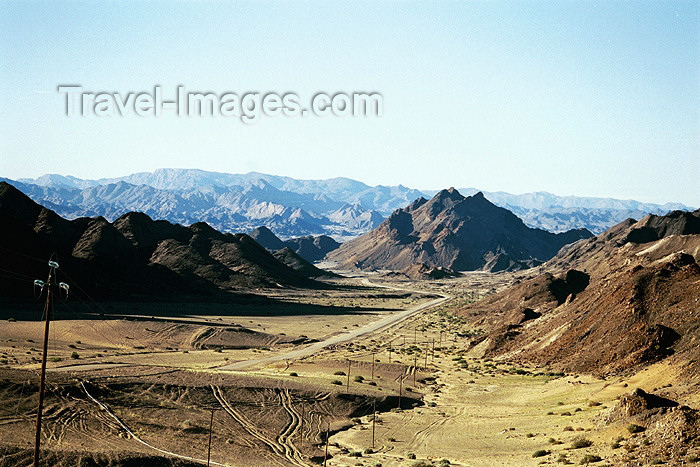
(374, 419)
(389, 352)
(432, 354)
(372, 365)
(426, 356)
(400, 389)
(415, 362)
(211, 425)
(348, 384)
(325, 455)
(42, 378)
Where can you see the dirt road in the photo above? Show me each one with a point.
(374, 326)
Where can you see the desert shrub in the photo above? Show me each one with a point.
(443, 462)
(568, 428)
(410, 455)
(372, 383)
(55, 359)
(581, 442)
(634, 428)
(593, 404)
(566, 414)
(530, 435)
(337, 382)
(693, 458)
(74, 355)
(339, 373)
(657, 461)
(422, 464)
(293, 373)
(368, 451)
(540, 453)
(355, 454)
(11, 320)
(391, 440)
(358, 378)
(589, 458)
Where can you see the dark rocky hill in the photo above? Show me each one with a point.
(456, 232)
(311, 248)
(132, 256)
(633, 298)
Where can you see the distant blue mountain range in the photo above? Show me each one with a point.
(339, 207)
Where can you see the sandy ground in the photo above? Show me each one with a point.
(303, 373)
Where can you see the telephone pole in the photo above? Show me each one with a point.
(374, 419)
(211, 425)
(53, 265)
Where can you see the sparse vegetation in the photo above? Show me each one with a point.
(589, 459)
(634, 428)
(540, 453)
(581, 442)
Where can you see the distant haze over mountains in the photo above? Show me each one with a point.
(340, 207)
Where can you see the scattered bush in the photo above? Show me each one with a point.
(337, 382)
(339, 373)
(568, 428)
(358, 378)
(74, 356)
(581, 442)
(355, 454)
(530, 435)
(391, 440)
(593, 404)
(410, 455)
(634, 428)
(589, 458)
(293, 373)
(540, 453)
(372, 383)
(55, 359)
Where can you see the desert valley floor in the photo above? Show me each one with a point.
(136, 384)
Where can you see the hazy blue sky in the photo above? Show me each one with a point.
(584, 98)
